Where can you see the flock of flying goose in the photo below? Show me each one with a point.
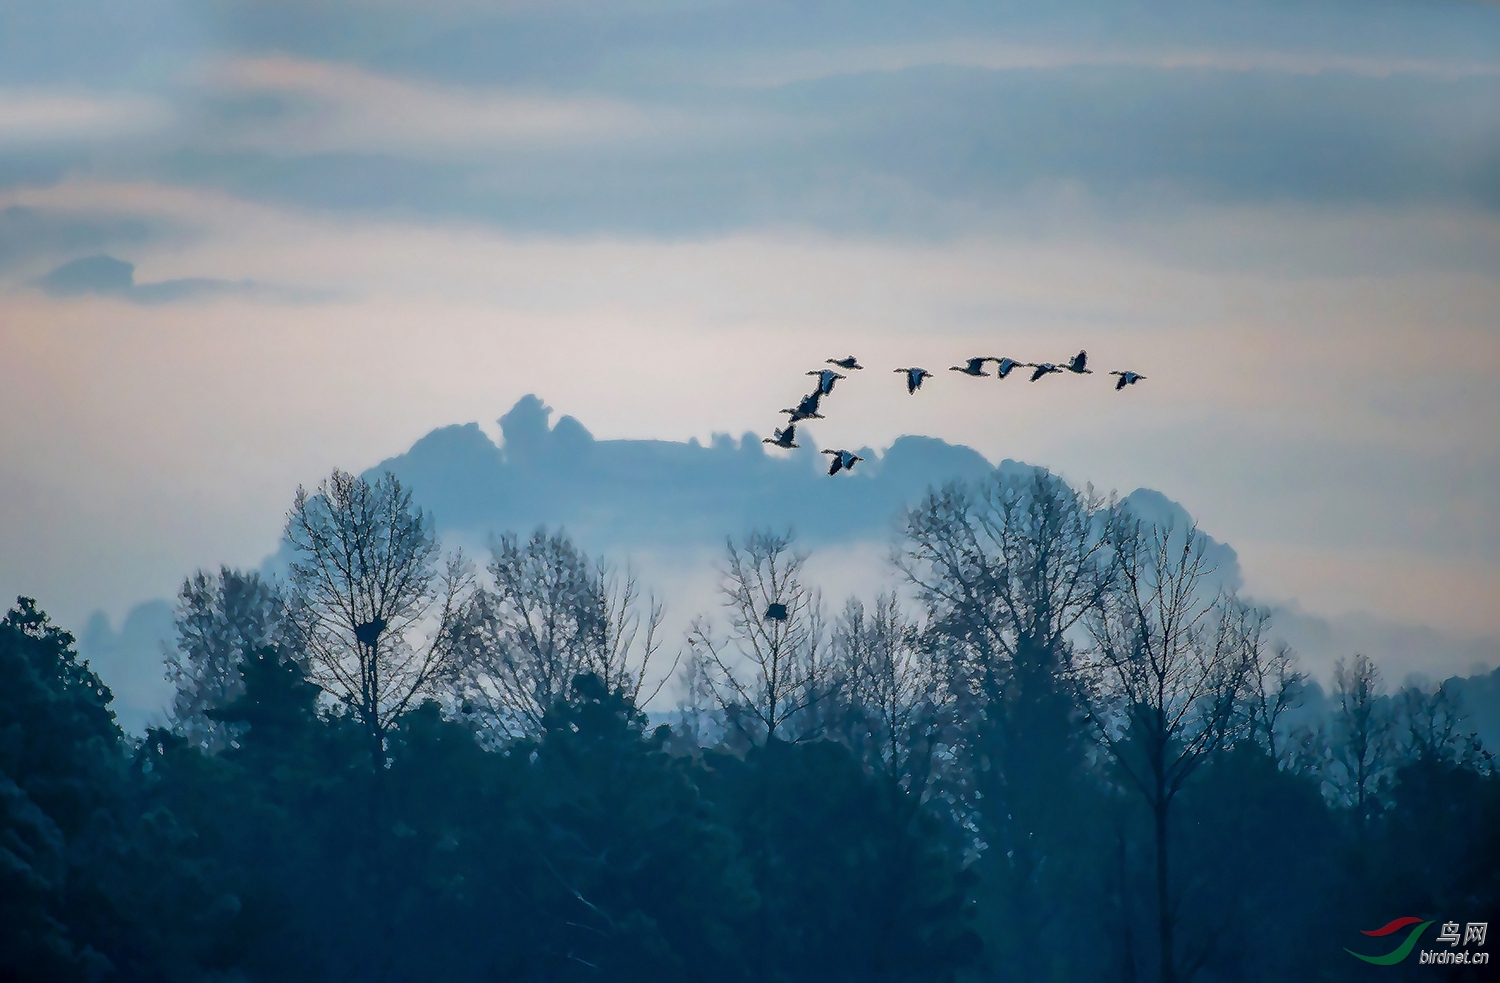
(807, 408)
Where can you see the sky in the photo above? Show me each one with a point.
(243, 243)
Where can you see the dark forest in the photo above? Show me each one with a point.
(1064, 751)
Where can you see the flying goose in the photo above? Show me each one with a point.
(826, 379)
(847, 362)
(842, 461)
(1004, 365)
(807, 409)
(973, 366)
(1077, 364)
(1127, 378)
(914, 378)
(785, 439)
(796, 414)
(1042, 368)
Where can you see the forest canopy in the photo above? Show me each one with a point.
(1064, 750)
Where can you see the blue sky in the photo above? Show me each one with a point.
(349, 223)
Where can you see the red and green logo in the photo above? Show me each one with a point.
(1401, 951)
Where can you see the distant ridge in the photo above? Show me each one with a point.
(663, 492)
(667, 497)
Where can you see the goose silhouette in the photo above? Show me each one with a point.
(826, 379)
(842, 461)
(914, 378)
(785, 439)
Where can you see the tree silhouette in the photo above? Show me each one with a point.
(1358, 740)
(553, 616)
(1170, 662)
(363, 585)
(220, 619)
(1007, 568)
(768, 669)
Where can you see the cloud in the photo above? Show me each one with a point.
(781, 68)
(106, 276)
(934, 149)
(1286, 215)
(685, 122)
(29, 235)
(323, 107)
(31, 117)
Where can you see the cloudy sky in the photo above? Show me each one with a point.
(244, 242)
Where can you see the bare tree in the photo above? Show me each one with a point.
(1170, 661)
(375, 608)
(1358, 743)
(698, 718)
(552, 615)
(1433, 721)
(772, 665)
(1273, 686)
(893, 703)
(1008, 568)
(221, 618)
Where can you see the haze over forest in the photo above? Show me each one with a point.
(243, 242)
(665, 508)
(1190, 681)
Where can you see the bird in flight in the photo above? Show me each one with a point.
(973, 366)
(826, 379)
(807, 409)
(847, 362)
(1004, 365)
(1042, 368)
(1077, 365)
(842, 461)
(1127, 379)
(914, 378)
(786, 439)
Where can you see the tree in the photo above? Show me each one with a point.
(773, 664)
(1169, 667)
(1433, 723)
(275, 700)
(892, 695)
(1008, 568)
(647, 880)
(853, 883)
(92, 879)
(60, 767)
(221, 618)
(1273, 685)
(379, 621)
(554, 615)
(1009, 565)
(1358, 741)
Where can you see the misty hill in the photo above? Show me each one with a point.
(672, 499)
(665, 493)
